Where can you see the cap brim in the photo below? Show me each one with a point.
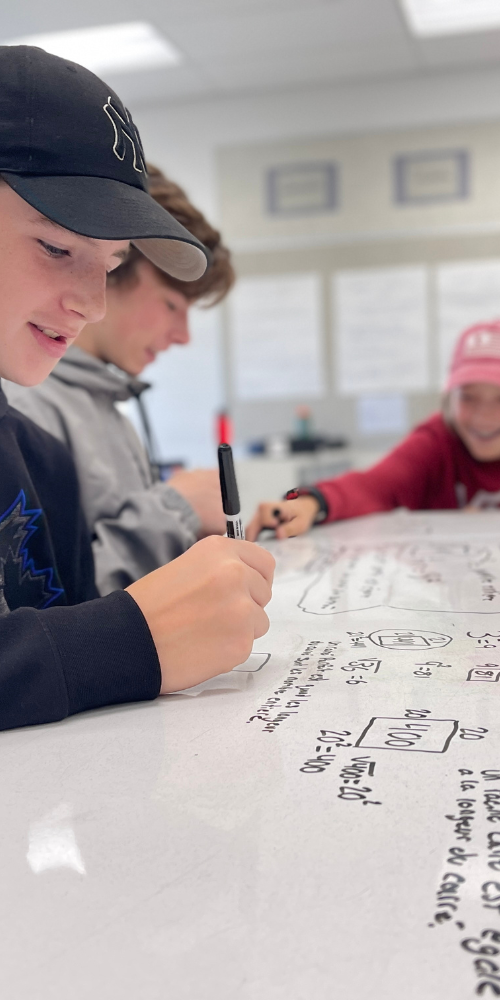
(105, 209)
(485, 370)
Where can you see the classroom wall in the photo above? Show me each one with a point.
(186, 138)
(183, 137)
(367, 228)
(336, 413)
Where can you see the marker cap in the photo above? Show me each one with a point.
(228, 487)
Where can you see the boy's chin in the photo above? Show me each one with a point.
(27, 375)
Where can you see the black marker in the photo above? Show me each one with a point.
(229, 490)
(289, 495)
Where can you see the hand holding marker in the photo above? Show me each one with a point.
(289, 495)
(300, 509)
(229, 491)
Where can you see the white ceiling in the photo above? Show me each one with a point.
(240, 46)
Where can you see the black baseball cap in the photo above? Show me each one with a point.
(70, 149)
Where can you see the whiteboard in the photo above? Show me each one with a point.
(467, 292)
(276, 329)
(381, 329)
(322, 822)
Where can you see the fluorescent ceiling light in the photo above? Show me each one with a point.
(451, 17)
(110, 48)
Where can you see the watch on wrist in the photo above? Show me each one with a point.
(310, 491)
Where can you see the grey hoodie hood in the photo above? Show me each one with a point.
(78, 368)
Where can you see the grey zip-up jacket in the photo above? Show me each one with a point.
(136, 525)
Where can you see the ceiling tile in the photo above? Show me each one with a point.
(461, 50)
(338, 23)
(254, 44)
(164, 84)
(310, 66)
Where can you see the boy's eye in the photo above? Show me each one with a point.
(171, 306)
(54, 251)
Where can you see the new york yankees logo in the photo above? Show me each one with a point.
(125, 129)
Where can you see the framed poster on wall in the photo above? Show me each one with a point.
(302, 188)
(432, 176)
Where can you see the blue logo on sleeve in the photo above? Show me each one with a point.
(21, 584)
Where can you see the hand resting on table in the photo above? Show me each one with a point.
(294, 517)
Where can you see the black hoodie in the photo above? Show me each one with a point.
(63, 649)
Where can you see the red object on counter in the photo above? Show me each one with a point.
(224, 428)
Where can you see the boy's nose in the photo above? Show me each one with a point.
(184, 337)
(87, 298)
(180, 334)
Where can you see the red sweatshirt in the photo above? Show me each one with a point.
(430, 470)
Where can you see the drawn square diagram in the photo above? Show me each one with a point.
(254, 663)
(302, 188)
(430, 177)
(422, 735)
(484, 674)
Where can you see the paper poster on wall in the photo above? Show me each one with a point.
(381, 329)
(467, 292)
(382, 414)
(275, 327)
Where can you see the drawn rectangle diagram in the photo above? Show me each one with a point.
(423, 735)
(253, 664)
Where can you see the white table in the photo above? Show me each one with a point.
(323, 822)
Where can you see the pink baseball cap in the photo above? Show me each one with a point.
(476, 357)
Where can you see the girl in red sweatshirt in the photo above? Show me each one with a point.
(450, 461)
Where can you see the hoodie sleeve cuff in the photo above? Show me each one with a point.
(106, 652)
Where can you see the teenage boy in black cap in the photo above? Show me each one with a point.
(72, 195)
(136, 523)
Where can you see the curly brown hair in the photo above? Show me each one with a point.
(219, 276)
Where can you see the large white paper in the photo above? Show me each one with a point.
(381, 329)
(323, 821)
(276, 337)
(467, 293)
